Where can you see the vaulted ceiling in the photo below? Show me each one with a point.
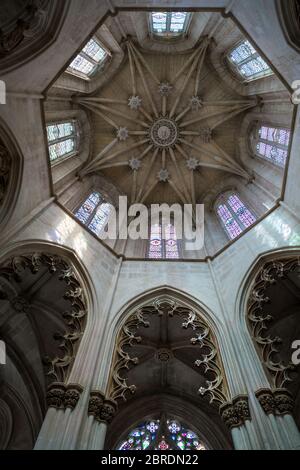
(166, 126)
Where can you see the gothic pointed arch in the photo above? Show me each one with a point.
(271, 301)
(44, 302)
(166, 345)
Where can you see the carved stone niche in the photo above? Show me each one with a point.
(277, 402)
(63, 396)
(236, 412)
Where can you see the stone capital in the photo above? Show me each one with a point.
(277, 402)
(63, 396)
(236, 412)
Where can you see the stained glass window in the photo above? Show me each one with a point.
(61, 139)
(94, 212)
(234, 214)
(273, 144)
(89, 59)
(163, 247)
(248, 62)
(164, 434)
(169, 23)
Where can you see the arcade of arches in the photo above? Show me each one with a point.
(143, 344)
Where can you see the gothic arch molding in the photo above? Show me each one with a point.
(209, 428)
(265, 312)
(168, 307)
(46, 267)
(149, 295)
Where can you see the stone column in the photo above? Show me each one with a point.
(101, 412)
(278, 406)
(61, 400)
(237, 417)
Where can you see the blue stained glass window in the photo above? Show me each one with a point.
(165, 434)
(86, 210)
(273, 144)
(169, 23)
(155, 245)
(94, 212)
(89, 59)
(100, 218)
(248, 62)
(163, 247)
(61, 140)
(234, 214)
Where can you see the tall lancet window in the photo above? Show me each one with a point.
(89, 60)
(94, 212)
(248, 63)
(169, 24)
(163, 243)
(271, 143)
(62, 140)
(234, 215)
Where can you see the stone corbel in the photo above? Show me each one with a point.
(277, 402)
(103, 409)
(63, 396)
(236, 412)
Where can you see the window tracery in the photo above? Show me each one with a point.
(89, 60)
(271, 143)
(94, 212)
(169, 24)
(163, 243)
(62, 140)
(161, 434)
(234, 215)
(246, 61)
